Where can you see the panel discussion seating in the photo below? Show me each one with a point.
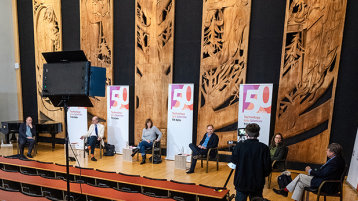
(106, 180)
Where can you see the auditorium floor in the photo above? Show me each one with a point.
(164, 170)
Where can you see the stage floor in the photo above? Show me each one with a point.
(164, 170)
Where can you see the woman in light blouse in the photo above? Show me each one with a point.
(149, 135)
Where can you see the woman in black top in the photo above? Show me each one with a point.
(278, 151)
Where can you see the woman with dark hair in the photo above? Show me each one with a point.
(278, 151)
(149, 135)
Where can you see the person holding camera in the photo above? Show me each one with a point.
(253, 164)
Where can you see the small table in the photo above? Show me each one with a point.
(180, 161)
(127, 154)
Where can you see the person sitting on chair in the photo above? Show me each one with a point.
(149, 136)
(277, 148)
(331, 170)
(210, 140)
(94, 136)
(27, 132)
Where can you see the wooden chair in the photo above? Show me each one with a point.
(207, 158)
(319, 191)
(276, 164)
(34, 151)
(101, 148)
(156, 147)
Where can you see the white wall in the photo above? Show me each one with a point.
(8, 89)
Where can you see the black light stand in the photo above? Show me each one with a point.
(228, 178)
(84, 81)
(65, 99)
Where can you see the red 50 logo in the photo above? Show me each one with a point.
(182, 98)
(258, 100)
(119, 98)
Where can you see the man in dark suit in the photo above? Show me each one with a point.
(27, 133)
(253, 164)
(332, 169)
(210, 140)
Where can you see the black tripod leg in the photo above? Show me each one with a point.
(13, 137)
(228, 178)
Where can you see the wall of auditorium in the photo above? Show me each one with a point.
(8, 89)
(264, 55)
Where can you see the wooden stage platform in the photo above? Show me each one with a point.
(164, 170)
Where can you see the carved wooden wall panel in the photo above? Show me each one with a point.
(47, 38)
(309, 71)
(154, 29)
(224, 45)
(97, 43)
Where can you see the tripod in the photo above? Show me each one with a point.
(64, 102)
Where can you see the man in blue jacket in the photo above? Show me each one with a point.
(210, 140)
(331, 170)
(27, 133)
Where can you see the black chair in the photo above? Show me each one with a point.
(105, 183)
(105, 171)
(44, 162)
(34, 151)
(52, 194)
(155, 149)
(131, 175)
(153, 192)
(128, 188)
(10, 190)
(178, 196)
(75, 197)
(213, 187)
(10, 168)
(85, 180)
(31, 190)
(31, 194)
(63, 177)
(154, 178)
(278, 166)
(98, 145)
(318, 191)
(155, 196)
(207, 158)
(28, 171)
(11, 185)
(46, 174)
(179, 182)
(182, 196)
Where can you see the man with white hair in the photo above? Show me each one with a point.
(94, 135)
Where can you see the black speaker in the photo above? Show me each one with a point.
(66, 78)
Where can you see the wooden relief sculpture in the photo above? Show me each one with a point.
(154, 23)
(97, 43)
(47, 38)
(309, 71)
(224, 44)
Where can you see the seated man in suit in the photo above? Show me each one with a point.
(27, 132)
(332, 169)
(210, 140)
(95, 135)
